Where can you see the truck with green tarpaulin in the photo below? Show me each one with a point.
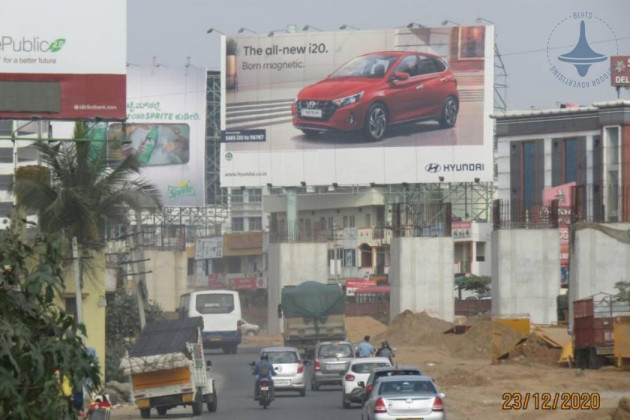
(312, 312)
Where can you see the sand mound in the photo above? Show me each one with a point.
(409, 328)
(623, 410)
(535, 350)
(358, 327)
(262, 340)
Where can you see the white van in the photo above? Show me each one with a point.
(221, 313)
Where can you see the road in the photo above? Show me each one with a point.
(236, 387)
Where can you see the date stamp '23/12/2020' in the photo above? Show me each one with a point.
(551, 401)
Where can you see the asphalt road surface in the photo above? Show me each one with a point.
(235, 385)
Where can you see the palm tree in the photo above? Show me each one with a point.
(77, 192)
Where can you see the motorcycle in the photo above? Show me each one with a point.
(264, 397)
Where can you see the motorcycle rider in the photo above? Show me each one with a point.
(264, 370)
(385, 351)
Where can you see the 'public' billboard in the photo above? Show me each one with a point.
(166, 129)
(63, 59)
(358, 107)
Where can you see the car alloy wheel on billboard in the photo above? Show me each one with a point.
(358, 107)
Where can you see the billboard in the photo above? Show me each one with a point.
(358, 107)
(563, 193)
(166, 129)
(620, 66)
(56, 63)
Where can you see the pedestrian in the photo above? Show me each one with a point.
(365, 349)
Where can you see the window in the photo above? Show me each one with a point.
(255, 195)
(527, 175)
(439, 65)
(191, 266)
(71, 306)
(427, 65)
(349, 256)
(216, 303)
(322, 223)
(367, 367)
(237, 224)
(237, 195)
(481, 251)
(234, 265)
(331, 223)
(348, 221)
(255, 223)
(366, 256)
(408, 65)
(279, 357)
(568, 161)
(368, 220)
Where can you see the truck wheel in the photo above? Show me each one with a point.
(197, 405)
(212, 404)
(161, 411)
(145, 413)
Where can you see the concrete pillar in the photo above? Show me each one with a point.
(289, 265)
(292, 214)
(421, 276)
(525, 273)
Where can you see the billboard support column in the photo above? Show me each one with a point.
(291, 214)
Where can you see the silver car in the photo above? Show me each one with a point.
(331, 362)
(404, 397)
(289, 369)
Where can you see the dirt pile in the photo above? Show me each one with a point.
(535, 350)
(623, 410)
(358, 327)
(266, 340)
(409, 328)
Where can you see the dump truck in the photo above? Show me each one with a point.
(312, 312)
(167, 368)
(595, 321)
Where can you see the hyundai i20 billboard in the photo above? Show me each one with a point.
(358, 107)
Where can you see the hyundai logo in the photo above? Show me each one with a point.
(311, 104)
(433, 168)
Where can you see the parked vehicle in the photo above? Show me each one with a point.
(289, 369)
(373, 91)
(359, 371)
(595, 321)
(397, 397)
(312, 312)
(221, 313)
(386, 372)
(331, 362)
(249, 328)
(167, 368)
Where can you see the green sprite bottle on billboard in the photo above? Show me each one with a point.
(149, 144)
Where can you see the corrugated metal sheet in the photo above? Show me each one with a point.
(168, 336)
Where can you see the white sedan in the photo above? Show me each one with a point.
(359, 371)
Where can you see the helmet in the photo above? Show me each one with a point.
(264, 356)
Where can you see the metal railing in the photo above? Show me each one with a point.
(508, 214)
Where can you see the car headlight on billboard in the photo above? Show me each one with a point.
(348, 100)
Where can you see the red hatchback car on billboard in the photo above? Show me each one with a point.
(373, 91)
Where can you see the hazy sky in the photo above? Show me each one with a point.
(172, 30)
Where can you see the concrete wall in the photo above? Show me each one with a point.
(598, 261)
(421, 276)
(168, 277)
(94, 303)
(291, 264)
(526, 273)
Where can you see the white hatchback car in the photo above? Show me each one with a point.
(359, 371)
(289, 368)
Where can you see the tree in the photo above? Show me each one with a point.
(122, 328)
(623, 293)
(473, 283)
(36, 337)
(77, 191)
